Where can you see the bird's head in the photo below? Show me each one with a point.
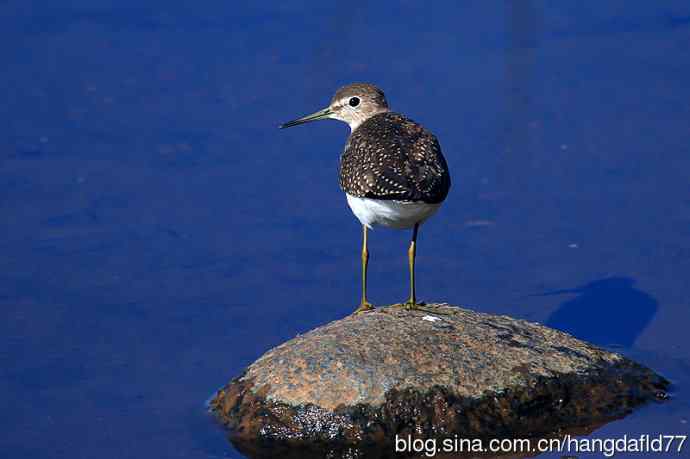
(352, 104)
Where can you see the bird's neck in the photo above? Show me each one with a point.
(357, 122)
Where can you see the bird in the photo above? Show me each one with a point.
(392, 170)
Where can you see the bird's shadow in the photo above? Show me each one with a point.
(608, 312)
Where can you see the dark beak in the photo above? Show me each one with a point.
(320, 115)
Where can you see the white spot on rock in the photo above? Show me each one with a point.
(431, 318)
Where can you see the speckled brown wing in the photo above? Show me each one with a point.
(390, 157)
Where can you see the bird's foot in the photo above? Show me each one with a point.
(415, 306)
(408, 305)
(364, 307)
(412, 305)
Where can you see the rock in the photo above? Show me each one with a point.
(356, 383)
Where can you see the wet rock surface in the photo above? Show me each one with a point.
(349, 387)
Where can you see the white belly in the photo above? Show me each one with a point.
(393, 214)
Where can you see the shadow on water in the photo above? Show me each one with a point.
(607, 312)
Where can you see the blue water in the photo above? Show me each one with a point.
(159, 232)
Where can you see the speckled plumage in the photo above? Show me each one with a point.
(390, 157)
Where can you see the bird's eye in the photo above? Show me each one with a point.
(354, 101)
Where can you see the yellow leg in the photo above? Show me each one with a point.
(364, 305)
(411, 303)
(411, 254)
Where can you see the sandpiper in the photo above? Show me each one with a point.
(391, 170)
